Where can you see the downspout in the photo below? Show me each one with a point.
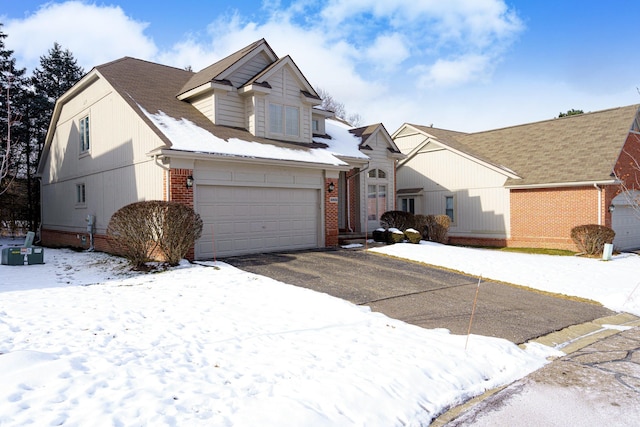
(168, 189)
(599, 203)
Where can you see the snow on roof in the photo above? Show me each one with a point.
(187, 136)
(342, 142)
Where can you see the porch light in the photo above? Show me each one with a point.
(331, 187)
(612, 208)
(190, 181)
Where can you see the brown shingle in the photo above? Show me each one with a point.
(579, 148)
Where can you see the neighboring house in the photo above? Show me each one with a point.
(527, 185)
(243, 142)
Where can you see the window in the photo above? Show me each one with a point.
(80, 195)
(409, 205)
(377, 173)
(376, 201)
(284, 120)
(315, 125)
(449, 207)
(84, 134)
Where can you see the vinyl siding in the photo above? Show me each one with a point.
(116, 171)
(481, 201)
(285, 90)
(230, 109)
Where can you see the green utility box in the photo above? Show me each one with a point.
(26, 254)
(12, 256)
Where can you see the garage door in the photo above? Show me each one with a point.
(626, 223)
(242, 220)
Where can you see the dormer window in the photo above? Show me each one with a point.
(284, 120)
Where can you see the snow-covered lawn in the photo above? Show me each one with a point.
(83, 341)
(614, 283)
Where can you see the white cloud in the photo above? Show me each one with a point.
(94, 34)
(452, 72)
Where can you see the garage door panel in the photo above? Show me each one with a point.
(626, 224)
(256, 219)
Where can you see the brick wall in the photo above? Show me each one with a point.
(330, 214)
(543, 218)
(178, 192)
(68, 239)
(627, 167)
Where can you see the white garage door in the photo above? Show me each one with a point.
(243, 220)
(626, 223)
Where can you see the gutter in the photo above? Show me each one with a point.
(561, 184)
(599, 203)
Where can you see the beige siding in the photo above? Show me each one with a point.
(481, 201)
(205, 103)
(230, 109)
(407, 140)
(285, 90)
(249, 70)
(116, 171)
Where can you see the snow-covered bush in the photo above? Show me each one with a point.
(154, 231)
(590, 238)
(413, 235)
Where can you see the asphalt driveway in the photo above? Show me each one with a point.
(422, 295)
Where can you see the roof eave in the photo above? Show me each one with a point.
(562, 184)
(162, 153)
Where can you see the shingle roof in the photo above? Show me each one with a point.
(154, 86)
(573, 149)
(211, 72)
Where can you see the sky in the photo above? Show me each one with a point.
(86, 341)
(465, 65)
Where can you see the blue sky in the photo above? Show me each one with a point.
(465, 65)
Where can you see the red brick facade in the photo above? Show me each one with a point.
(330, 213)
(178, 191)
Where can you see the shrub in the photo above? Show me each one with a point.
(380, 235)
(397, 219)
(414, 236)
(420, 224)
(394, 236)
(590, 238)
(143, 230)
(438, 228)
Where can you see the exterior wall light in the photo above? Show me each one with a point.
(612, 208)
(331, 187)
(190, 181)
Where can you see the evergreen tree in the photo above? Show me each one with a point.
(12, 106)
(58, 71)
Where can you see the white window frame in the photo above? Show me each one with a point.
(453, 209)
(84, 129)
(284, 120)
(408, 204)
(81, 195)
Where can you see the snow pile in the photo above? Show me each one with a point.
(85, 342)
(615, 283)
(342, 142)
(187, 136)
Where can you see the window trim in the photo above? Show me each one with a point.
(84, 132)
(81, 195)
(454, 210)
(408, 204)
(286, 125)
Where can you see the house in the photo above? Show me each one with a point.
(243, 142)
(527, 185)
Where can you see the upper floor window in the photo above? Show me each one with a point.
(84, 134)
(377, 173)
(284, 119)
